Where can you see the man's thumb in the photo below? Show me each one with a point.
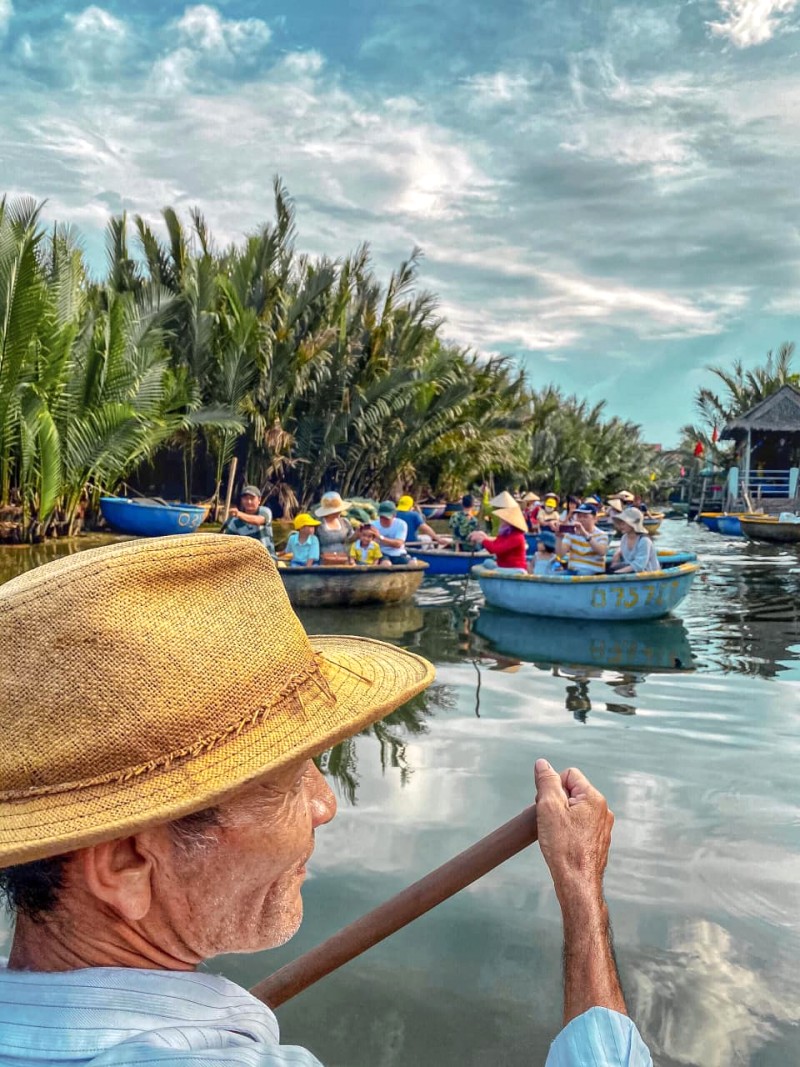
(547, 780)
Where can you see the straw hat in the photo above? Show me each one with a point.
(503, 500)
(331, 504)
(614, 503)
(530, 498)
(137, 685)
(633, 517)
(625, 496)
(304, 519)
(513, 516)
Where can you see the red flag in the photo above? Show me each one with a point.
(714, 435)
(698, 449)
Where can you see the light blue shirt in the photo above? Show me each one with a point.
(397, 530)
(115, 1016)
(302, 553)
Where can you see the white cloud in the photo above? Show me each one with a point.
(6, 14)
(751, 22)
(93, 23)
(209, 43)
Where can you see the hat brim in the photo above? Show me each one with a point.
(366, 679)
(322, 512)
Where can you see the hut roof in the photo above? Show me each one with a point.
(779, 413)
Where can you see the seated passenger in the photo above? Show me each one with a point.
(573, 503)
(335, 533)
(546, 562)
(530, 507)
(365, 552)
(548, 516)
(251, 519)
(391, 534)
(510, 546)
(415, 521)
(585, 549)
(464, 523)
(636, 552)
(303, 544)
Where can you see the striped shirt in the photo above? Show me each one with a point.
(585, 558)
(122, 1016)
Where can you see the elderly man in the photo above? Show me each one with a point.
(251, 519)
(158, 806)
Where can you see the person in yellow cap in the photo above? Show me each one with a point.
(303, 544)
(159, 802)
(415, 521)
(548, 517)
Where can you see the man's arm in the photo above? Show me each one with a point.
(574, 826)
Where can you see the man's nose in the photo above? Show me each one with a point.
(322, 800)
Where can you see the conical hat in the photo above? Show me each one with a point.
(503, 500)
(513, 516)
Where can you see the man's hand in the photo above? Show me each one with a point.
(233, 513)
(574, 828)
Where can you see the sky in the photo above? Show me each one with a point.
(606, 192)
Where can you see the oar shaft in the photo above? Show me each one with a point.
(394, 914)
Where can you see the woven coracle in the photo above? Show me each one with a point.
(146, 680)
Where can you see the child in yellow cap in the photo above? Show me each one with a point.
(303, 545)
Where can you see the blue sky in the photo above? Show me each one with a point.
(606, 191)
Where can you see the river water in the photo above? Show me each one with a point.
(691, 727)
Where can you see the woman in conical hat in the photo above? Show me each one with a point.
(510, 546)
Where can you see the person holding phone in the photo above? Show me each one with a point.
(585, 549)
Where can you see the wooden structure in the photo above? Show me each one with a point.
(767, 438)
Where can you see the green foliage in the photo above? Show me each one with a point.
(311, 372)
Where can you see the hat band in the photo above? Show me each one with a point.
(293, 690)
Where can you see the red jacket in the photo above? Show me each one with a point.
(509, 548)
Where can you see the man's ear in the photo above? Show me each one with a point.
(118, 873)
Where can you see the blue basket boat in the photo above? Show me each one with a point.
(150, 518)
(433, 511)
(730, 526)
(614, 597)
(442, 561)
(658, 645)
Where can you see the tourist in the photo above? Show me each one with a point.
(176, 823)
(548, 516)
(530, 506)
(335, 532)
(463, 523)
(636, 552)
(573, 503)
(391, 534)
(303, 545)
(251, 519)
(509, 547)
(584, 550)
(545, 561)
(366, 552)
(415, 521)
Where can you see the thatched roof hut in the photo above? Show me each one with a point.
(778, 413)
(768, 450)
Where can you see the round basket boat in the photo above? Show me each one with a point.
(328, 587)
(775, 531)
(444, 561)
(151, 518)
(614, 597)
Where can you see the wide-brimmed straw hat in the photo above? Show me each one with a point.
(625, 496)
(146, 680)
(513, 516)
(503, 500)
(331, 504)
(633, 517)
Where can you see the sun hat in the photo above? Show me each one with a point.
(586, 509)
(625, 496)
(633, 517)
(134, 689)
(548, 539)
(251, 490)
(331, 504)
(614, 503)
(304, 519)
(513, 516)
(503, 500)
(529, 498)
(405, 503)
(387, 507)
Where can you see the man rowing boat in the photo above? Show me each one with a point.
(158, 805)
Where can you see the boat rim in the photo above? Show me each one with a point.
(596, 579)
(344, 568)
(153, 504)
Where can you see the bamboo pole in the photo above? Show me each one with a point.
(229, 493)
(464, 869)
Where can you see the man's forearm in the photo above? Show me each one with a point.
(590, 970)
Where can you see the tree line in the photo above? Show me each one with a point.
(311, 371)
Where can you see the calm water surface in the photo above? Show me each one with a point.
(691, 727)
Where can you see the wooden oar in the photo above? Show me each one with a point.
(464, 869)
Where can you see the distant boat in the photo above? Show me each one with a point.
(603, 596)
(710, 520)
(326, 587)
(729, 526)
(146, 517)
(764, 528)
(444, 561)
(658, 645)
(432, 511)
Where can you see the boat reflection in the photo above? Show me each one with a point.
(660, 645)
